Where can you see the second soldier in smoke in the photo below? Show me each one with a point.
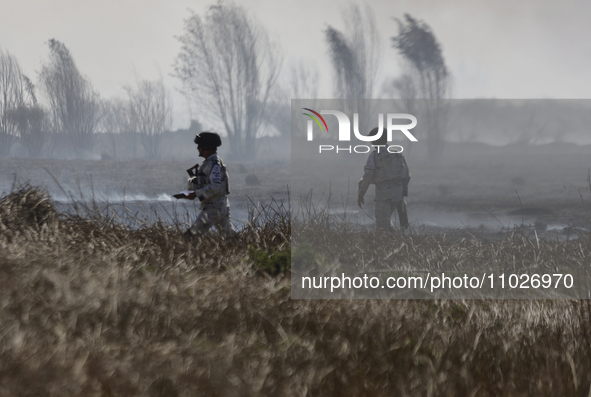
(210, 182)
(390, 175)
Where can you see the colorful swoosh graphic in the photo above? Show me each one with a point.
(315, 119)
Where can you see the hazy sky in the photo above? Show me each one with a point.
(494, 48)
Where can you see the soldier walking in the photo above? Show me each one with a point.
(211, 186)
(389, 173)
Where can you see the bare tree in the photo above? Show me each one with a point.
(31, 123)
(14, 91)
(114, 120)
(278, 114)
(419, 47)
(73, 104)
(304, 80)
(355, 56)
(426, 77)
(150, 114)
(229, 66)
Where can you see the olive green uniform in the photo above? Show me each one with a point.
(389, 173)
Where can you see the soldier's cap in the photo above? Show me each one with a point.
(382, 140)
(208, 139)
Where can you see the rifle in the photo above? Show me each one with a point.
(191, 171)
(190, 195)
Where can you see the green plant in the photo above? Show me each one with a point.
(273, 262)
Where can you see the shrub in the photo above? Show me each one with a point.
(272, 263)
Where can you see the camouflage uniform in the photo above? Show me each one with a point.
(212, 186)
(389, 172)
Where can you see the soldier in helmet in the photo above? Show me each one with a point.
(211, 186)
(389, 173)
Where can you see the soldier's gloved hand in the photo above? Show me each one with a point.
(191, 182)
(360, 202)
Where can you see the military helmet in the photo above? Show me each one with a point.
(208, 139)
(382, 140)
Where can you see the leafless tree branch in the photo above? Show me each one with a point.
(73, 103)
(229, 66)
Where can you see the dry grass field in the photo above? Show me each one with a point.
(91, 307)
